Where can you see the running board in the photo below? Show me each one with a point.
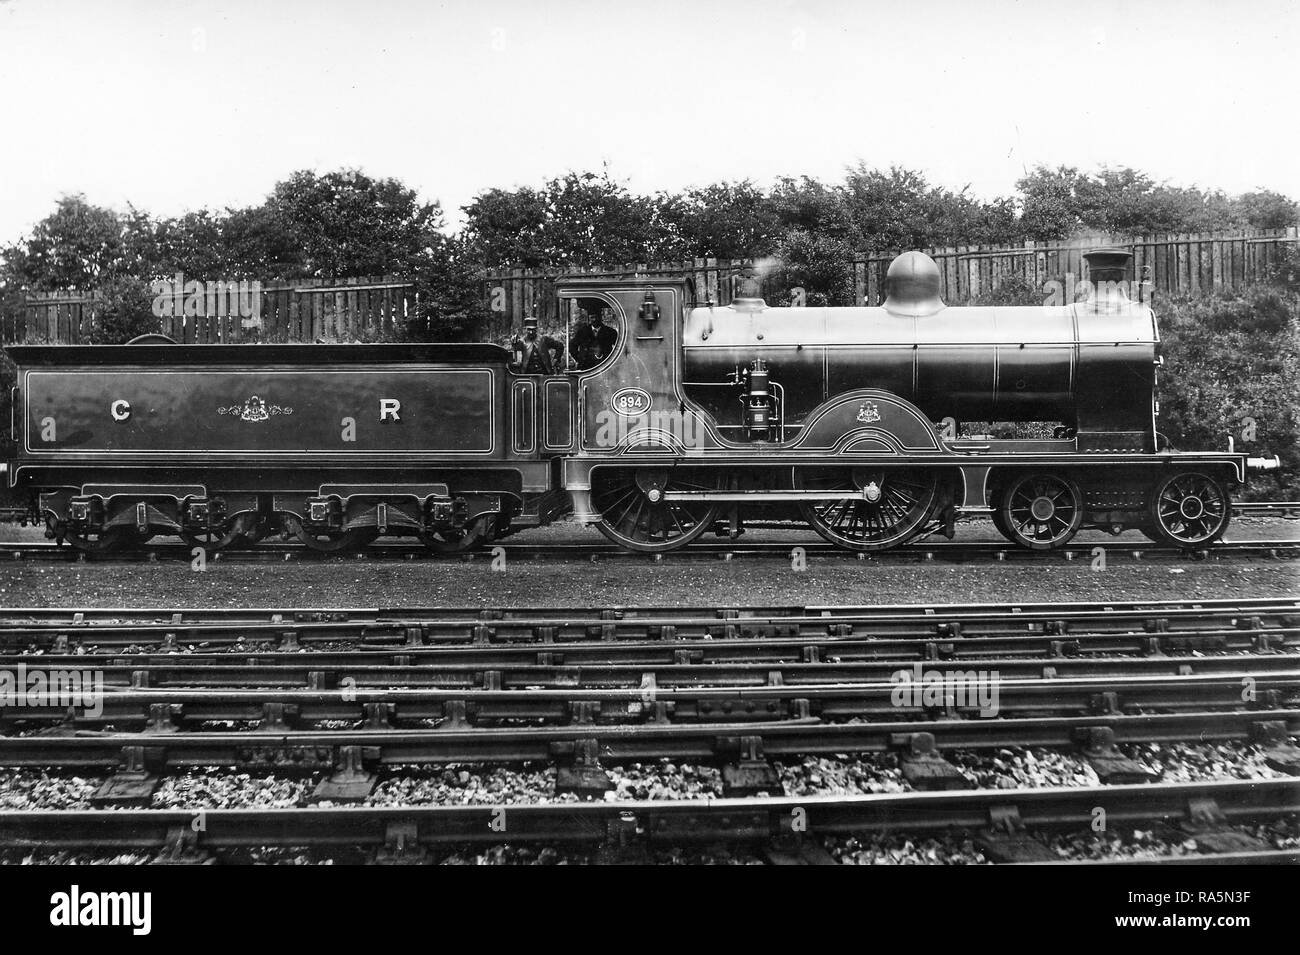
(737, 497)
(761, 496)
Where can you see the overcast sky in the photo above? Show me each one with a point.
(176, 106)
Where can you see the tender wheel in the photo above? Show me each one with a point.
(635, 515)
(253, 535)
(896, 504)
(458, 541)
(113, 539)
(1041, 511)
(330, 542)
(1190, 509)
(231, 533)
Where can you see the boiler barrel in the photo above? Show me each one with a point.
(970, 363)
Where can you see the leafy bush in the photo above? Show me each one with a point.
(124, 311)
(1012, 290)
(1232, 366)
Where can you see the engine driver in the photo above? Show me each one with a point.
(593, 341)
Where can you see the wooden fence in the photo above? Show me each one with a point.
(309, 310)
(370, 309)
(1171, 263)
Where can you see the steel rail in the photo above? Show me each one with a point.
(1160, 635)
(928, 611)
(1265, 623)
(1261, 857)
(828, 700)
(1287, 509)
(658, 822)
(299, 670)
(880, 614)
(632, 651)
(308, 750)
(942, 550)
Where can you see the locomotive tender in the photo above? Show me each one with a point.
(701, 416)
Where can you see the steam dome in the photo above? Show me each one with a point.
(913, 286)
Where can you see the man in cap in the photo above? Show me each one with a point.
(533, 355)
(593, 340)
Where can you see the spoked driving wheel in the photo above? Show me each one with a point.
(636, 515)
(459, 540)
(1041, 511)
(1190, 508)
(891, 507)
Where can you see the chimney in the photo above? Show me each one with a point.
(1108, 278)
(748, 295)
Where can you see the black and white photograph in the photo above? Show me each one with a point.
(571, 433)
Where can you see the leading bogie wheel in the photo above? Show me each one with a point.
(635, 513)
(1190, 509)
(1041, 511)
(890, 506)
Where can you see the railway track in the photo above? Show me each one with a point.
(1141, 625)
(381, 746)
(1217, 624)
(345, 697)
(1008, 826)
(937, 550)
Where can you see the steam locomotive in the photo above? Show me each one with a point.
(701, 417)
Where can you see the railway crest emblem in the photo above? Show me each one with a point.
(868, 412)
(255, 409)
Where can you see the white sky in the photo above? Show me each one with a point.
(176, 106)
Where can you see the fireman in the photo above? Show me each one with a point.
(536, 354)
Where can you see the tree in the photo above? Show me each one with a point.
(1052, 202)
(1232, 367)
(1265, 209)
(345, 223)
(725, 220)
(505, 228)
(819, 264)
(71, 248)
(585, 219)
